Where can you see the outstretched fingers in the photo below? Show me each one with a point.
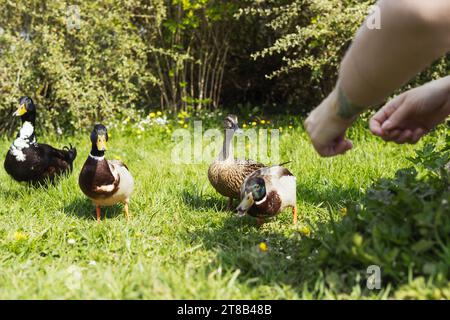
(379, 124)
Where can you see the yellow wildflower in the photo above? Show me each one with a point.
(253, 123)
(263, 247)
(290, 127)
(159, 113)
(183, 114)
(343, 212)
(19, 236)
(263, 121)
(244, 125)
(305, 231)
(181, 121)
(152, 114)
(185, 126)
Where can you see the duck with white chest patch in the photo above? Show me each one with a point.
(105, 182)
(32, 162)
(268, 191)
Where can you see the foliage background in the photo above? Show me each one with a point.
(135, 55)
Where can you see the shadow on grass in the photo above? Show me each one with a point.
(197, 201)
(11, 194)
(236, 244)
(84, 208)
(288, 258)
(332, 196)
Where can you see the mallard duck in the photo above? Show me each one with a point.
(267, 191)
(32, 162)
(105, 182)
(226, 173)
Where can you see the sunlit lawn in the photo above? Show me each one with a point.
(181, 242)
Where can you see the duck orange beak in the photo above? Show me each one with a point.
(245, 204)
(21, 110)
(101, 143)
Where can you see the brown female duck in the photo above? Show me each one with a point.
(105, 182)
(226, 173)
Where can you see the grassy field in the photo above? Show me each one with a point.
(181, 242)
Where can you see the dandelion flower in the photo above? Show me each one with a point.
(244, 125)
(253, 123)
(152, 114)
(159, 113)
(305, 231)
(185, 126)
(263, 121)
(19, 236)
(263, 247)
(290, 127)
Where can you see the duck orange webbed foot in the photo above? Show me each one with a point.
(99, 214)
(127, 213)
(295, 215)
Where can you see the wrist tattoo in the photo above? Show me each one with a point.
(347, 109)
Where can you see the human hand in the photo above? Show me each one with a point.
(327, 124)
(409, 116)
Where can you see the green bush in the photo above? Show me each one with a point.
(89, 72)
(310, 38)
(129, 56)
(121, 56)
(402, 225)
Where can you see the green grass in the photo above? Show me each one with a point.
(181, 242)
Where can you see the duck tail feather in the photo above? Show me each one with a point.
(70, 154)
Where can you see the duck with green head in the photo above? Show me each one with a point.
(268, 191)
(105, 182)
